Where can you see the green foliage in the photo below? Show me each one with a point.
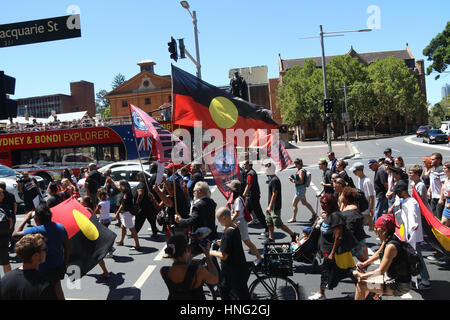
(102, 103)
(438, 51)
(118, 80)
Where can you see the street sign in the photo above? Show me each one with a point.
(345, 116)
(50, 29)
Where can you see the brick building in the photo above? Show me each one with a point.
(394, 123)
(81, 98)
(145, 90)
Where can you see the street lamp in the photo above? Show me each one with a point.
(323, 34)
(193, 14)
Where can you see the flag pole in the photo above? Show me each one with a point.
(137, 150)
(173, 168)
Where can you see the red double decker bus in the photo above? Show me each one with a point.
(48, 153)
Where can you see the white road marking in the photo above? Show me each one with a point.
(144, 276)
(159, 257)
(410, 140)
(321, 146)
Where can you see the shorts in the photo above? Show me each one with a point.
(300, 191)
(398, 288)
(359, 249)
(127, 220)
(243, 229)
(446, 212)
(4, 253)
(56, 274)
(274, 218)
(105, 222)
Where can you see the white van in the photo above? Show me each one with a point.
(445, 127)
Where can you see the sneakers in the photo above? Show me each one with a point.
(317, 296)
(436, 257)
(423, 286)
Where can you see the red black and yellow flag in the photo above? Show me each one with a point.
(435, 234)
(89, 239)
(197, 100)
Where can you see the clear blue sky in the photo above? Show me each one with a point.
(118, 34)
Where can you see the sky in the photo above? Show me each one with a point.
(116, 35)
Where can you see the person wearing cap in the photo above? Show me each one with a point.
(366, 185)
(380, 183)
(273, 211)
(236, 205)
(393, 259)
(388, 154)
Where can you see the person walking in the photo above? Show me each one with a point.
(380, 184)
(236, 205)
(340, 166)
(273, 211)
(327, 184)
(365, 185)
(147, 207)
(437, 178)
(7, 223)
(332, 162)
(299, 180)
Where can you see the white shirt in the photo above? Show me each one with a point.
(409, 215)
(104, 209)
(238, 205)
(367, 187)
(437, 177)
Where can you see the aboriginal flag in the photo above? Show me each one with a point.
(196, 100)
(89, 239)
(435, 234)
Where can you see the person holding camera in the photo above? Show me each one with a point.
(184, 279)
(235, 271)
(30, 189)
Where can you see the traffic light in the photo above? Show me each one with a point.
(182, 49)
(8, 107)
(173, 49)
(328, 106)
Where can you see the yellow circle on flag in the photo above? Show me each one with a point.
(223, 112)
(89, 230)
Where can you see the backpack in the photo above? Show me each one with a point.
(363, 204)
(134, 210)
(307, 181)
(413, 263)
(4, 223)
(247, 213)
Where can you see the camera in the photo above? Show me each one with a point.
(199, 238)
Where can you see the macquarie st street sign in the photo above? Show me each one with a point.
(43, 30)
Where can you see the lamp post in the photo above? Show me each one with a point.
(193, 14)
(323, 34)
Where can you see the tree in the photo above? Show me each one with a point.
(437, 114)
(438, 51)
(118, 80)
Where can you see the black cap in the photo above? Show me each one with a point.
(400, 185)
(396, 170)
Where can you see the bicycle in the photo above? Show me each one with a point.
(272, 277)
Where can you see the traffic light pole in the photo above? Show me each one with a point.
(325, 88)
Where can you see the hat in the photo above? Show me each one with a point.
(235, 186)
(372, 161)
(307, 230)
(357, 166)
(400, 185)
(388, 150)
(396, 170)
(386, 221)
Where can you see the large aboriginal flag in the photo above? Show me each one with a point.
(89, 239)
(435, 234)
(196, 100)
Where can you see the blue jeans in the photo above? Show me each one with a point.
(381, 207)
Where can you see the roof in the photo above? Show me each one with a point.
(366, 58)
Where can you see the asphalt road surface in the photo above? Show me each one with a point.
(135, 275)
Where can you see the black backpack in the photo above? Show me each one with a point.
(4, 223)
(363, 204)
(413, 263)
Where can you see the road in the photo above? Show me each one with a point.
(135, 275)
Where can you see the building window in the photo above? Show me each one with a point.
(148, 101)
(124, 103)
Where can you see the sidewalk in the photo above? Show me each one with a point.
(311, 151)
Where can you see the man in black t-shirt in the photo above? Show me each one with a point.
(146, 205)
(30, 189)
(93, 182)
(9, 204)
(380, 183)
(55, 198)
(273, 211)
(327, 184)
(234, 265)
(26, 283)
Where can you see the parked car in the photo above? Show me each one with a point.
(445, 127)
(421, 130)
(103, 169)
(435, 136)
(10, 177)
(128, 173)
